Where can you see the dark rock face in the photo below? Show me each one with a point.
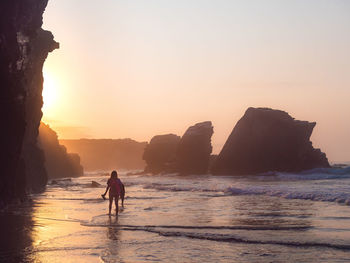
(212, 161)
(160, 153)
(108, 154)
(58, 162)
(194, 149)
(23, 49)
(36, 176)
(269, 140)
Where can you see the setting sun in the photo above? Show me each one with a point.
(50, 93)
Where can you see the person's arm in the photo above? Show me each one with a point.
(106, 190)
(103, 195)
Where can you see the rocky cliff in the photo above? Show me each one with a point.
(58, 162)
(160, 153)
(23, 49)
(36, 176)
(269, 140)
(194, 149)
(108, 154)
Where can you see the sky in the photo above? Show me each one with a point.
(139, 68)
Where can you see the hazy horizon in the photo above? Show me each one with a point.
(137, 69)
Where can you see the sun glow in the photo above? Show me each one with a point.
(50, 93)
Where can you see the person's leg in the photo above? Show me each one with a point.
(122, 195)
(110, 204)
(116, 205)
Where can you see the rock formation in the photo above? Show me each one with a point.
(23, 49)
(269, 140)
(160, 153)
(194, 149)
(58, 162)
(95, 184)
(108, 154)
(36, 176)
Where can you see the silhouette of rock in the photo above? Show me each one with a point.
(95, 184)
(108, 154)
(269, 140)
(194, 149)
(36, 176)
(160, 153)
(212, 160)
(58, 162)
(23, 49)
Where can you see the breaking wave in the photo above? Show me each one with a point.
(315, 174)
(325, 184)
(316, 195)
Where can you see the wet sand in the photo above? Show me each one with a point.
(175, 219)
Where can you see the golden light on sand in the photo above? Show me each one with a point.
(50, 93)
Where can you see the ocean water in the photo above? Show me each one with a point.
(274, 217)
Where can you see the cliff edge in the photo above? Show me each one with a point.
(24, 46)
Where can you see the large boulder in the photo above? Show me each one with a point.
(194, 149)
(269, 140)
(160, 153)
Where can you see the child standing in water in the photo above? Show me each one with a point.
(116, 190)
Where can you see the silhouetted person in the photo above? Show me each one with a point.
(116, 190)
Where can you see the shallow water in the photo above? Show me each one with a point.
(273, 218)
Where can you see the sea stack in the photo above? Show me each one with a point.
(269, 140)
(194, 149)
(160, 153)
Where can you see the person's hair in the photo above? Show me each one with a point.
(114, 174)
